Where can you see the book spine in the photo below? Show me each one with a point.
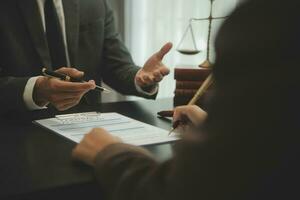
(182, 101)
(184, 97)
(195, 85)
(185, 92)
(188, 84)
(188, 74)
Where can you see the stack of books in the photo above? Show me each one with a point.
(188, 81)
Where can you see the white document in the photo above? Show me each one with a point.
(75, 126)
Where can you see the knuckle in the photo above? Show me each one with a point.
(62, 69)
(53, 85)
(157, 72)
(179, 108)
(97, 130)
(94, 130)
(75, 70)
(139, 80)
(145, 76)
(191, 108)
(194, 106)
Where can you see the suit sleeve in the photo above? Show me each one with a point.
(118, 67)
(130, 173)
(12, 90)
(226, 167)
(122, 168)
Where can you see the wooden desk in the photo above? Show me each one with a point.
(37, 164)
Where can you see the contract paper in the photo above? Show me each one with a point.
(131, 131)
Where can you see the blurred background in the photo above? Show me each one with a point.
(146, 25)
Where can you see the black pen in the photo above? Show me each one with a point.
(175, 126)
(181, 122)
(64, 77)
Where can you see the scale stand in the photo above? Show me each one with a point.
(195, 50)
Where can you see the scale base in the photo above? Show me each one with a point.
(206, 64)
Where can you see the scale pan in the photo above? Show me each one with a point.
(188, 51)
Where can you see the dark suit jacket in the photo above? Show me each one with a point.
(93, 44)
(252, 150)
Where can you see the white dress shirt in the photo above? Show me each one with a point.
(28, 91)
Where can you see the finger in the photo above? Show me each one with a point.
(64, 107)
(164, 50)
(148, 79)
(64, 86)
(103, 136)
(141, 82)
(63, 104)
(96, 131)
(180, 113)
(66, 104)
(71, 72)
(69, 101)
(193, 114)
(164, 70)
(157, 76)
(65, 95)
(196, 115)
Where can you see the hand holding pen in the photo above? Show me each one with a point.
(200, 92)
(187, 117)
(60, 92)
(66, 77)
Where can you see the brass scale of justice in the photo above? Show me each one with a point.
(195, 50)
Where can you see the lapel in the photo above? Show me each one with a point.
(31, 14)
(71, 10)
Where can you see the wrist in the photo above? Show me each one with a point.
(38, 96)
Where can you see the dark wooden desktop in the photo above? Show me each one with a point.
(37, 164)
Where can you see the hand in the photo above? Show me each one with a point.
(61, 94)
(93, 143)
(191, 116)
(154, 70)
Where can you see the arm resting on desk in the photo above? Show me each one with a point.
(127, 172)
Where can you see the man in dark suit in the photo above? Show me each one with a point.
(59, 34)
(249, 144)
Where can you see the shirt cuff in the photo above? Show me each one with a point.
(152, 92)
(28, 95)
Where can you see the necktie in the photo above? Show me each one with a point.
(54, 36)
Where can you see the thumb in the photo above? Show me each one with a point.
(164, 50)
